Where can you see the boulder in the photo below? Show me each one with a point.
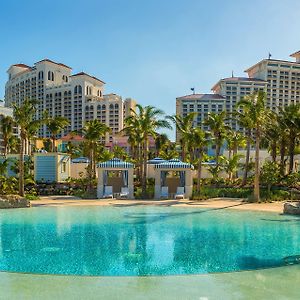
(291, 208)
(13, 201)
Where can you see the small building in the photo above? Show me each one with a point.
(79, 167)
(51, 167)
(173, 174)
(115, 173)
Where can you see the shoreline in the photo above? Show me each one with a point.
(217, 203)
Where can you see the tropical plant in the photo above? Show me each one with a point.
(254, 106)
(184, 126)
(55, 126)
(218, 129)
(147, 122)
(92, 132)
(291, 120)
(7, 129)
(24, 116)
(198, 140)
(270, 174)
(231, 165)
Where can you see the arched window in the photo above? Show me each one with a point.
(65, 93)
(99, 107)
(111, 106)
(52, 76)
(87, 107)
(69, 93)
(100, 93)
(91, 107)
(41, 75)
(116, 106)
(90, 90)
(103, 107)
(67, 79)
(75, 89)
(87, 90)
(79, 89)
(49, 75)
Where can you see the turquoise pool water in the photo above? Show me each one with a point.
(144, 240)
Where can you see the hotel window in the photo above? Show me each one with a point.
(41, 75)
(50, 76)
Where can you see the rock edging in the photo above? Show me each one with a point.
(291, 208)
(13, 201)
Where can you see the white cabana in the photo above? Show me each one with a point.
(184, 181)
(123, 177)
(151, 164)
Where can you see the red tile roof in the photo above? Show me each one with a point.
(53, 62)
(71, 137)
(22, 66)
(85, 74)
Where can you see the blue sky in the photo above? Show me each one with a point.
(153, 51)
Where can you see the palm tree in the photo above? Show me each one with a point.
(235, 140)
(92, 132)
(254, 106)
(24, 118)
(247, 123)
(55, 126)
(198, 141)
(291, 120)
(218, 128)
(146, 122)
(161, 141)
(7, 129)
(184, 127)
(231, 165)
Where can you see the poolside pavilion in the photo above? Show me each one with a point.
(115, 173)
(184, 178)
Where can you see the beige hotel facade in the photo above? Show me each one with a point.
(78, 97)
(280, 79)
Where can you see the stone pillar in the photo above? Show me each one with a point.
(188, 183)
(157, 188)
(130, 184)
(100, 186)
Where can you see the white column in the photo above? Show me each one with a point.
(157, 190)
(130, 184)
(188, 183)
(100, 186)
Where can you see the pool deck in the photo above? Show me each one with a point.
(218, 203)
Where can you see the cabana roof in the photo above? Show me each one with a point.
(80, 160)
(174, 164)
(115, 163)
(156, 160)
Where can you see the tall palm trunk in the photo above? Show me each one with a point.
(291, 153)
(282, 155)
(53, 143)
(199, 172)
(21, 166)
(90, 169)
(144, 177)
(257, 170)
(273, 151)
(247, 159)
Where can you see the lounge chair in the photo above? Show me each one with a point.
(180, 193)
(124, 192)
(108, 192)
(164, 192)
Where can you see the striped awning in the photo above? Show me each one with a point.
(156, 160)
(174, 164)
(115, 163)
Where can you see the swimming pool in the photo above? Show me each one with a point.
(145, 240)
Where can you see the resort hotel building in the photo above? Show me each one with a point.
(280, 80)
(78, 97)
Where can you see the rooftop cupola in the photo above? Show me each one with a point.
(297, 56)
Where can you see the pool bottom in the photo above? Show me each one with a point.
(276, 283)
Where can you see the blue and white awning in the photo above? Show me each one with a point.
(115, 163)
(174, 164)
(156, 160)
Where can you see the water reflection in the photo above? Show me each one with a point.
(143, 241)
